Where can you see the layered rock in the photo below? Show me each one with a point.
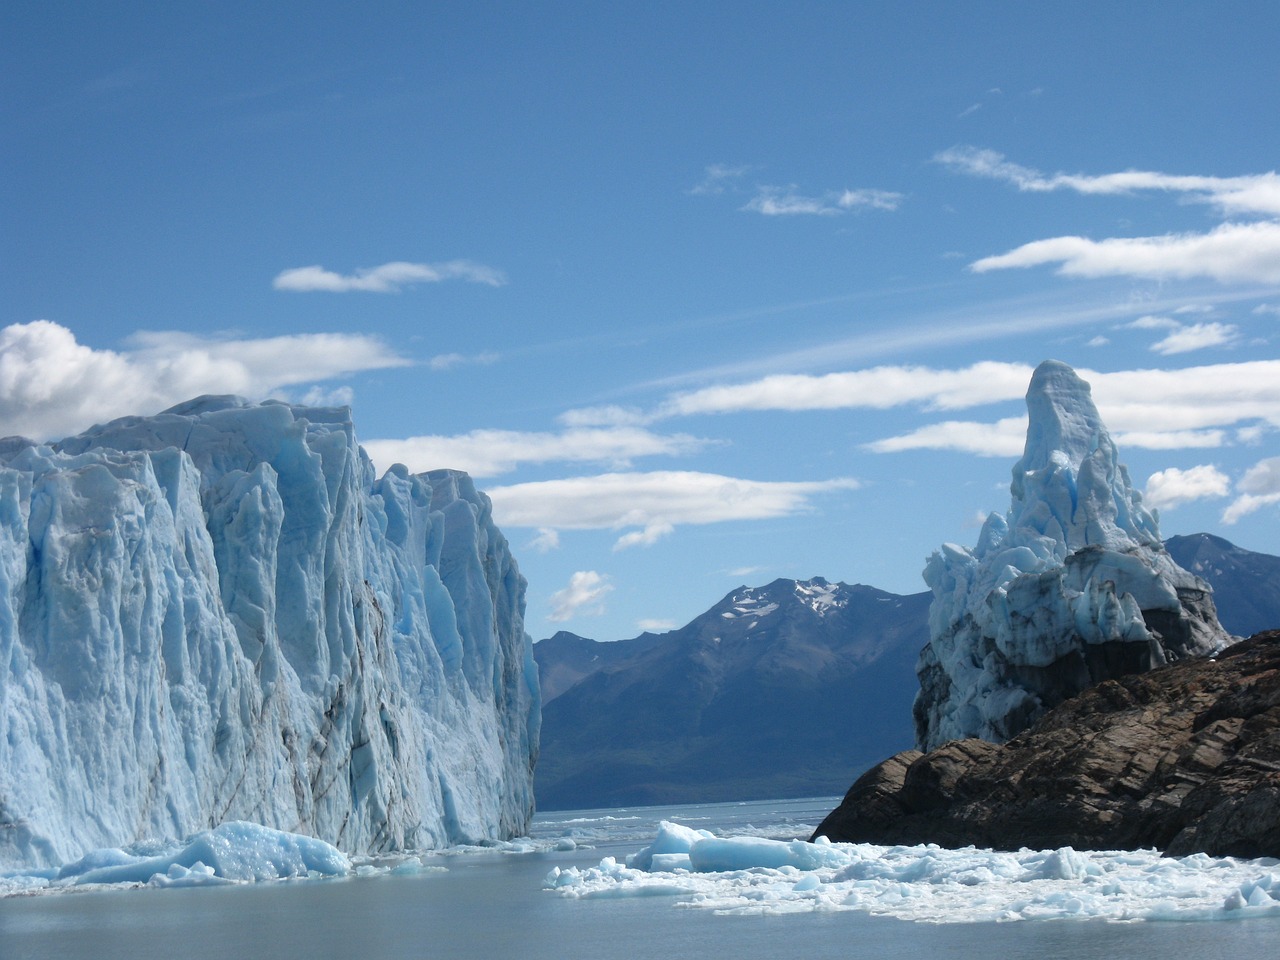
(1070, 587)
(1185, 758)
(218, 613)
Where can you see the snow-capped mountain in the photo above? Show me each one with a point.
(1070, 587)
(218, 613)
(780, 690)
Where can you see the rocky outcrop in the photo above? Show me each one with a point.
(1184, 758)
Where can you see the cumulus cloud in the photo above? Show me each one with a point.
(51, 385)
(652, 501)
(1255, 194)
(488, 453)
(786, 201)
(1259, 487)
(387, 278)
(1232, 252)
(583, 596)
(1172, 487)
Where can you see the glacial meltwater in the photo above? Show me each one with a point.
(711, 879)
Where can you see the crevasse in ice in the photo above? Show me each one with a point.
(219, 614)
(1070, 587)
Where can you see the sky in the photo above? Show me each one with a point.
(702, 294)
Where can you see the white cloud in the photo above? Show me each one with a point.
(447, 361)
(607, 416)
(1004, 438)
(1098, 341)
(1232, 252)
(1259, 487)
(583, 596)
(51, 385)
(1191, 408)
(487, 453)
(1266, 308)
(656, 626)
(651, 534)
(1173, 487)
(320, 397)
(875, 388)
(1197, 336)
(546, 540)
(785, 201)
(614, 501)
(1255, 194)
(387, 278)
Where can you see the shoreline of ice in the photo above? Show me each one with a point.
(753, 876)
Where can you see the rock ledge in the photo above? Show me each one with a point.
(1185, 758)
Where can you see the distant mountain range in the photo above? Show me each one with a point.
(785, 690)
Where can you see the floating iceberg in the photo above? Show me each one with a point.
(755, 876)
(1071, 587)
(219, 614)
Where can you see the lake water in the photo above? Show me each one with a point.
(496, 904)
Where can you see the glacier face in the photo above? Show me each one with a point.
(1070, 587)
(219, 613)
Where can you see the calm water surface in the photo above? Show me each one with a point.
(492, 904)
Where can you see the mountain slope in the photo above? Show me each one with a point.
(780, 690)
(1246, 585)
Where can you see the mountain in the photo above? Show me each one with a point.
(1070, 587)
(1246, 585)
(776, 691)
(219, 613)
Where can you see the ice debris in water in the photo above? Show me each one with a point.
(233, 852)
(755, 876)
(1070, 587)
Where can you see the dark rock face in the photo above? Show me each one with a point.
(1185, 758)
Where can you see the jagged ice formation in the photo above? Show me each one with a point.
(1071, 587)
(218, 613)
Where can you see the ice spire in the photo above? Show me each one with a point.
(1070, 587)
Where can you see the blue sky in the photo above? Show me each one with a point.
(703, 293)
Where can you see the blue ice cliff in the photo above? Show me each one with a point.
(1070, 587)
(219, 614)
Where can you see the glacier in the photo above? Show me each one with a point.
(1069, 587)
(220, 614)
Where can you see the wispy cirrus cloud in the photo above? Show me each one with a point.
(1254, 194)
(51, 385)
(488, 453)
(387, 278)
(653, 503)
(787, 201)
(1233, 252)
(448, 361)
(718, 178)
